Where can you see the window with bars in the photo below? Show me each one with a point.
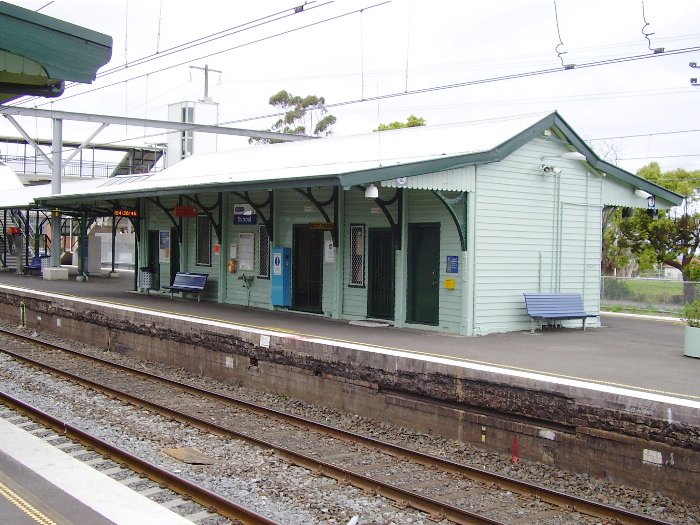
(263, 253)
(203, 241)
(357, 255)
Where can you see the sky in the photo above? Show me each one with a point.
(376, 62)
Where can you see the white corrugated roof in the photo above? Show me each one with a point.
(323, 157)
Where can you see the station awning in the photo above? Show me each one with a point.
(39, 53)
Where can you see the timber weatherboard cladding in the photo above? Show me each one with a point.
(517, 236)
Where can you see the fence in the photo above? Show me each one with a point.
(661, 295)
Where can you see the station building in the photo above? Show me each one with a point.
(438, 228)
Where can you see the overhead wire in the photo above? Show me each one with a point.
(450, 86)
(487, 80)
(252, 24)
(245, 44)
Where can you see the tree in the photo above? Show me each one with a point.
(297, 113)
(411, 122)
(674, 237)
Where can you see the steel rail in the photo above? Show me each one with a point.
(164, 478)
(560, 499)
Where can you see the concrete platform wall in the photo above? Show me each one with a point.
(651, 445)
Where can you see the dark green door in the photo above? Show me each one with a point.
(153, 258)
(423, 274)
(307, 269)
(380, 284)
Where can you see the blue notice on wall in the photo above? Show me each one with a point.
(452, 264)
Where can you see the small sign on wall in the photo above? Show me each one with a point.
(329, 252)
(452, 264)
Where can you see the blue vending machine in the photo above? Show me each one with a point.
(281, 276)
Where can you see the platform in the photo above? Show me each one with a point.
(634, 353)
(41, 484)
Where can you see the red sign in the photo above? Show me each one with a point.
(126, 213)
(14, 230)
(185, 211)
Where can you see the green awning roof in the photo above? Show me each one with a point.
(38, 53)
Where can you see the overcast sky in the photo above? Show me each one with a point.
(401, 47)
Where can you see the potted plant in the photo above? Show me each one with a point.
(691, 316)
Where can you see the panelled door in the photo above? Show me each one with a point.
(423, 268)
(380, 284)
(307, 269)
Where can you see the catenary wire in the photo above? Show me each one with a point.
(245, 44)
(258, 22)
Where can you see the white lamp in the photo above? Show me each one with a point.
(642, 194)
(371, 192)
(573, 155)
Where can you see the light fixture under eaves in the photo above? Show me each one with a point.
(550, 170)
(371, 192)
(573, 155)
(642, 194)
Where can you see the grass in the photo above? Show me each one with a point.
(638, 310)
(655, 287)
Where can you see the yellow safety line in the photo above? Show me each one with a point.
(25, 506)
(416, 352)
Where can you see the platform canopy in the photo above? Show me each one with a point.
(39, 53)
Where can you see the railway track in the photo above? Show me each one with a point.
(134, 468)
(444, 489)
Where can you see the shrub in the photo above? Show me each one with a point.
(691, 314)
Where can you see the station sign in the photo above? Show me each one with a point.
(244, 214)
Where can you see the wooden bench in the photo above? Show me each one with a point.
(186, 282)
(555, 306)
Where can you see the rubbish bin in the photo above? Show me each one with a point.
(146, 282)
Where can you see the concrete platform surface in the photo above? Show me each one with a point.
(40, 482)
(631, 352)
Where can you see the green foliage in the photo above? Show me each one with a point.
(411, 122)
(616, 250)
(296, 112)
(616, 289)
(691, 314)
(670, 239)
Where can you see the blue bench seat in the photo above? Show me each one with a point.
(555, 306)
(188, 282)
